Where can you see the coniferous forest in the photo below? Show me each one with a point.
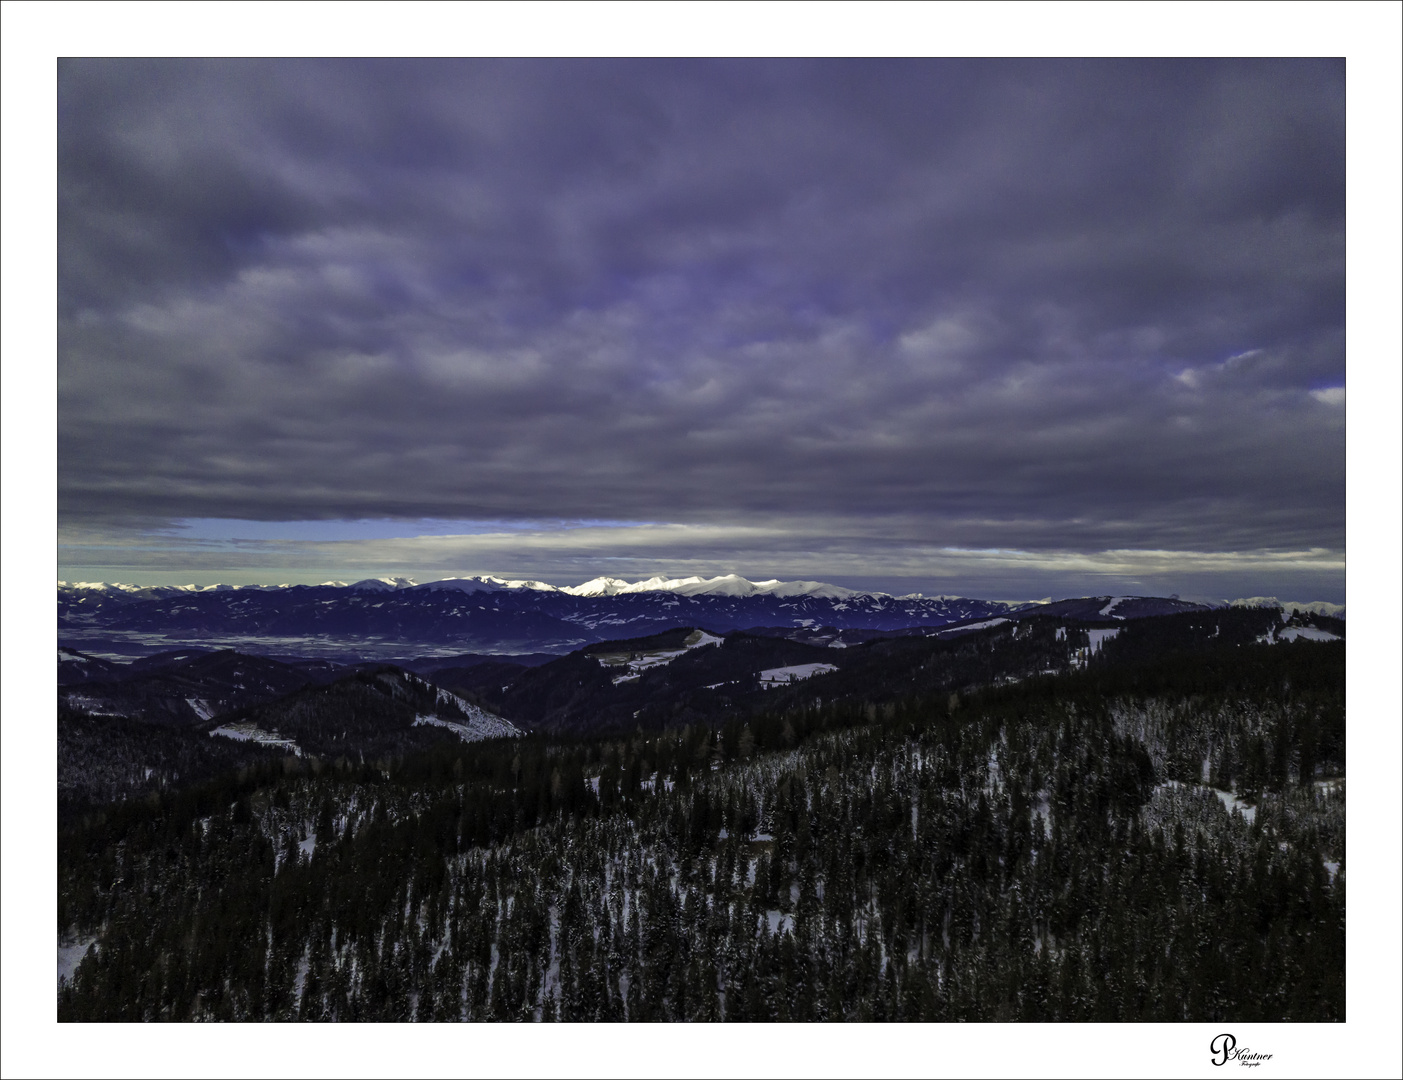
(1156, 835)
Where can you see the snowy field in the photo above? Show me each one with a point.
(635, 663)
(479, 725)
(1295, 633)
(1096, 638)
(1099, 637)
(1306, 633)
(984, 625)
(253, 733)
(781, 676)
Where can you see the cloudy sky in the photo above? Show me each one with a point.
(997, 328)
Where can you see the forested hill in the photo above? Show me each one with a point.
(1155, 835)
(129, 729)
(470, 613)
(662, 681)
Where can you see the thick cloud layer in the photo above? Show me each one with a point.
(879, 309)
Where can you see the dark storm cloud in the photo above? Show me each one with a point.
(1044, 306)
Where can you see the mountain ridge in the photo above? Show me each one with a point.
(724, 584)
(396, 617)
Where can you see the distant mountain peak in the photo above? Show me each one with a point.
(600, 586)
(535, 586)
(1315, 607)
(383, 584)
(722, 585)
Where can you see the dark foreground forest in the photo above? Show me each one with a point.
(1156, 837)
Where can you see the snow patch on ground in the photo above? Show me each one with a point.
(201, 707)
(1099, 637)
(71, 955)
(479, 725)
(635, 663)
(984, 625)
(1095, 639)
(1042, 811)
(1294, 633)
(253, 733)
(477, 717)
(1307, 633)
(1231, 802)
(91, 706)
(781, 676)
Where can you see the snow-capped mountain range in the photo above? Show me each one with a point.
(724, 585)
(729, 585)
(492, 614)
(1315, 607)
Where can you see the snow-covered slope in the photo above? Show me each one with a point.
(723, 585)
(481, 725)
(600, 586)
(468, 721)
(1315, 607)
(782, 676)
(383, 584)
